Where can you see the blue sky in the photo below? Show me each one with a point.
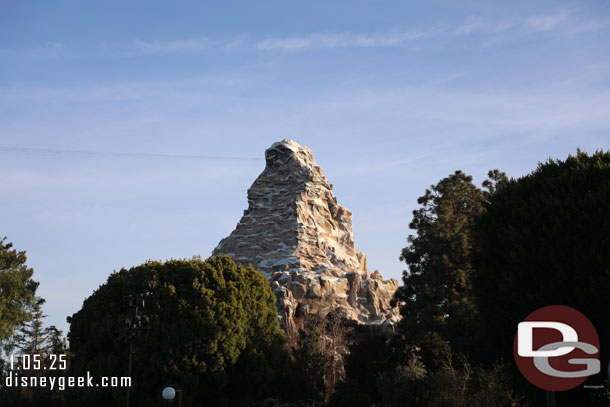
(391, 96)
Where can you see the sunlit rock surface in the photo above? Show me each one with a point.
(296, 233)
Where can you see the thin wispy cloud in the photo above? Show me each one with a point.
(143, 48)
(476, 24)
(336, 40)
(549, 107)
(50, 50)
(587, 26)
(471, 26)
(545, 22)
(188, 46)
(47, 51)
(235, 44)
(535, 23)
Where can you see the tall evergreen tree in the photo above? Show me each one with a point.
(33, 338)
(436, 300)
(17, 289)
(35, 350)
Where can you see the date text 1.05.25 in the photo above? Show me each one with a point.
(38, 362)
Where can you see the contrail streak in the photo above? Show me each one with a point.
(47, 151)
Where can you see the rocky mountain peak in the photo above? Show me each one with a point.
(281, 152)
(296, 233)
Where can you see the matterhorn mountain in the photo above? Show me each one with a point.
(296, 233)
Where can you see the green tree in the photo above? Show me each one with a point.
(33, 338)
(459, 384)
(21, 327)
(41, 346)
(545, 239)
(17, 289)
(436, 300)
(310, 359)
(369, 357)
(403, 383)
(319, 351)
(212, 331)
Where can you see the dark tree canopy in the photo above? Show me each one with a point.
(212, 331)
(545, 239)
(435, 299)
(17, 289)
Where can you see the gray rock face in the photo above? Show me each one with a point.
(296, 233)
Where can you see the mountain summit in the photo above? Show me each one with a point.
(296, 233)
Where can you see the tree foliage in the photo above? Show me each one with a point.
(545, 239)
(459, 384)
(319, 353)
(38, 343)
(369, 369)
(309, 359)
(22, 331)
(33, 337)
(17, 289)
(400, 378)
(213, 332)
(435, 299)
